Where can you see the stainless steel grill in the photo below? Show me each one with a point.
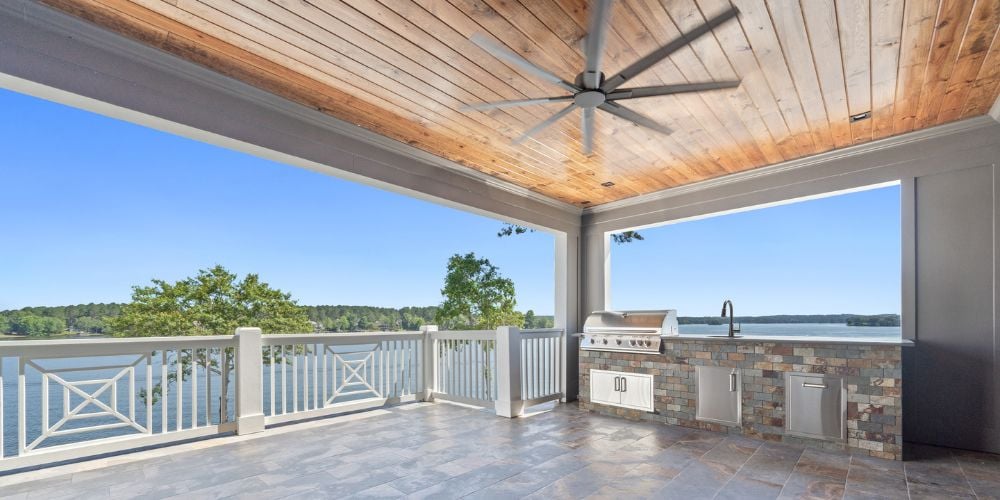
(628, 331)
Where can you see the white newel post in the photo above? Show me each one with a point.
(249, 374)
(429, 364)
(509, 403)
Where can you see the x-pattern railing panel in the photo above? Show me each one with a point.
(90, 392)
(357, 376)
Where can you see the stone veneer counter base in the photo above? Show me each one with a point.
(871, 374)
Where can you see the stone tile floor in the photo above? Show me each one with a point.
(447, 451)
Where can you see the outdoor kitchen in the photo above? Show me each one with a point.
(828, 393)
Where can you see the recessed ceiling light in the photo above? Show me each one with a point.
(861, 116)
(607, 184)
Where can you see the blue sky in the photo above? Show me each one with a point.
(839, 254)
(90, 206)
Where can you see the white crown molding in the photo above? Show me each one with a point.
(809, 161)
(103, 39)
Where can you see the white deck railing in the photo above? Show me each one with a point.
(67, 399)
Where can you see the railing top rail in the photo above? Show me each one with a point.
(464, 335)
(337, 338)
(542, 333)
(111, 346)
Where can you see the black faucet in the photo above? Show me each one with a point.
(732, 329)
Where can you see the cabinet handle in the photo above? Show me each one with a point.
(814, 386)
(732, 382)
(617, 384)
(624, 384)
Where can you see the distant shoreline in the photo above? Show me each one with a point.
(890, 320)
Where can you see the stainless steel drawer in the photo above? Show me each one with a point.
(815, 406)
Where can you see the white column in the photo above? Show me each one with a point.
(429, 363)
(509, 403)
(249, 391)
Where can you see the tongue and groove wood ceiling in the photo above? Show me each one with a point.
(403, 69)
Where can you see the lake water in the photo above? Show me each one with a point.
(800, 330)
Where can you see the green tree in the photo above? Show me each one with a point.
(34, 325)
(476, 295)
(214, 302)
(211, 303)
(508, 229)
(4, 324)
(88, 324)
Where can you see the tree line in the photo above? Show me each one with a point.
(93, 318)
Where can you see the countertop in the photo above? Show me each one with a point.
(789, 340)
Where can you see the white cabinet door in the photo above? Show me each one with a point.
(637, 391)
(604, 387)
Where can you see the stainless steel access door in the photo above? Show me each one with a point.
(815, 406)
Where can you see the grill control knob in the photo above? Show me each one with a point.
(631, 342)
(605, 341)
(647, 343)
(592, 340)
(619, 341)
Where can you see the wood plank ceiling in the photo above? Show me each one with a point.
(403, 68)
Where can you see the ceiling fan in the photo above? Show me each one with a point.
(591, 91)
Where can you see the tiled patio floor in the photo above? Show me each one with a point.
(447, 451)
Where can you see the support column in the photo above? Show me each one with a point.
(509, 401)
(249, 390)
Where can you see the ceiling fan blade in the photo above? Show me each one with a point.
(588, 131)
(503, 53)
(513, 103)
(661, 53)
(597, 31)
(679, 88)
(636, 118)
(545, 123)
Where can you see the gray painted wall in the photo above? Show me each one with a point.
(950, 392)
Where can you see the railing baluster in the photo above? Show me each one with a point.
(539, 352)
(131, 394)
(270, 365)
(179, 378)
(149, 392)
(326, 392)
(295, 381)
(305, 376)
(194, 388)
(469, 392)
(21, 408)
(284, 376)
(207, 365)
(163, 393)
